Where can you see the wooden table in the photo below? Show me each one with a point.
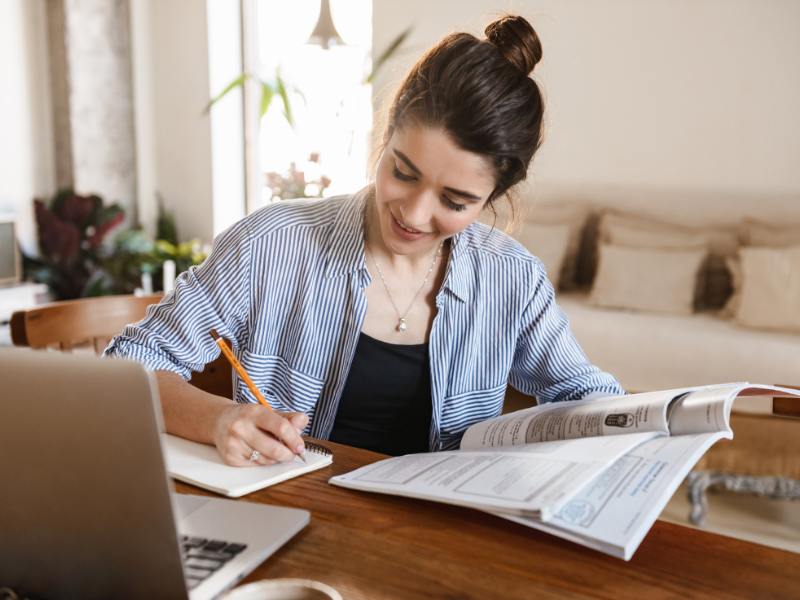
(786, 406)
(372, 546)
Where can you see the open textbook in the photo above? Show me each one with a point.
(597, 472)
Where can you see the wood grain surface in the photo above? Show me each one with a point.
(374, 547)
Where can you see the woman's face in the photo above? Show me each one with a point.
(427, 189)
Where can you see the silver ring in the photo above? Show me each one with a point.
(255, 455)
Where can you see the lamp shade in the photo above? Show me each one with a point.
(325, 33)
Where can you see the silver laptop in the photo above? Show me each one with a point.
(86, 509)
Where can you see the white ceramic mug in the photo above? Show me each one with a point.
(284, 589)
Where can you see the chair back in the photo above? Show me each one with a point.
(79, 323)
(90, 323)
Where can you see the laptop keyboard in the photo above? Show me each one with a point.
(202, 557)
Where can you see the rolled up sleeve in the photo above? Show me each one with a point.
(548, 361)
(174, 335)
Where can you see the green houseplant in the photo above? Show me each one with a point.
(72, 229)
(134, 253)
(77, 258)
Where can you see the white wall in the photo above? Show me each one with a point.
(175, 139)
(27, 167)
(680, 102)
(174, 73)
(688, 102)
(227, 116)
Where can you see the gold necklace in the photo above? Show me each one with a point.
(401, 323)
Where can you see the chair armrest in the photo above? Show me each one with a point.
(786, 406)
(18, 335)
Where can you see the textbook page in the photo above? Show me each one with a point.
(616, 510)
(613, 415)
(532, 480)
(709, 409)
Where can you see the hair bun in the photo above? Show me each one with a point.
(516, 40)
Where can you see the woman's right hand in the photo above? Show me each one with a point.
(242, 428)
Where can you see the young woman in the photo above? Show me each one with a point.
(390, 319)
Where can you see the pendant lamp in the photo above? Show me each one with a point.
(325, 33)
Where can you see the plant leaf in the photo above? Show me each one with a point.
(280, 86)
(113, 216)
(237, 82)
(267, 93)
(387, 53)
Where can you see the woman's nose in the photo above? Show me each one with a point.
(417, 210)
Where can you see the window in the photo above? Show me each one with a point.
(330, 102)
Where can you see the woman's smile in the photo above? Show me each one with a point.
(406, 232)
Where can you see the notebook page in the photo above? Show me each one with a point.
(201, 465)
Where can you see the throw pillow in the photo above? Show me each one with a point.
(715, 285)
(720, 241)
(649, 279)
(549, 243)
(572, 215)
(770, 293)
(626, 234)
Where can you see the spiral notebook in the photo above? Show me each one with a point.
(201, 465)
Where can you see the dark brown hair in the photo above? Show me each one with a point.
(480, 93)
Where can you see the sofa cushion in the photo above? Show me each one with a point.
(652, 351)
(652, 279)
(550, 243)
(574, 216)
(769, 297)
(714, 285)
(758, 233)
(624, 231)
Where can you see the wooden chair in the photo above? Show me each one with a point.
(90, 323)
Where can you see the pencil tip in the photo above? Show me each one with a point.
(214, 334)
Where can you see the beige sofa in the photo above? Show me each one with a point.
(651, 293)
(655, 295)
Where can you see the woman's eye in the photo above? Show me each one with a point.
(402, 176)
(453, 205)
(447, 202)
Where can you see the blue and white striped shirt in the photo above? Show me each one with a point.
(286, 286)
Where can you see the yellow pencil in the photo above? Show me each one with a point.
(242, 373)
(239, 369)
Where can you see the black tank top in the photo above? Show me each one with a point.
(386, 402)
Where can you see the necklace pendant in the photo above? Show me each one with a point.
(401, 325)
